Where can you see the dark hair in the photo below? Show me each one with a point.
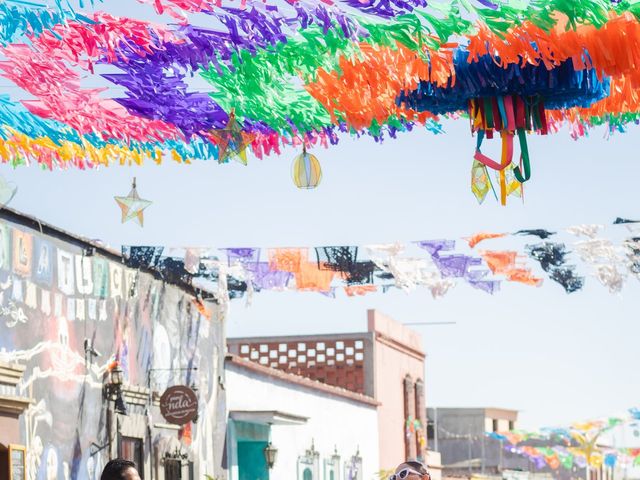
(418, 467)
(114, 469)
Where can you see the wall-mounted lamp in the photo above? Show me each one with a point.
(114, 390)
(177, 455)
(270, 455)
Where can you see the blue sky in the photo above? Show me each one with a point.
(556, 357)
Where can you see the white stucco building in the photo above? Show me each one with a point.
(321, 432)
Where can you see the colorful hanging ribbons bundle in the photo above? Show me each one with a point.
(510, 100)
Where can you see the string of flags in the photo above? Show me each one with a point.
(576, 446)
(483, 261)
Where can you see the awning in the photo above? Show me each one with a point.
(268, 417)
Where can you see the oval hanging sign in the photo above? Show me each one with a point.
(179, 405)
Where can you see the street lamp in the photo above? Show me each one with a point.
(270, 455)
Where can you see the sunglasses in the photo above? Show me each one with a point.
(402, 474)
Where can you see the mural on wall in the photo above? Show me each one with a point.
(67, 316)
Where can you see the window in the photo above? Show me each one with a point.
(512, 425)
(430, 430)
(172, 470)
(494, 423)
(132, 449)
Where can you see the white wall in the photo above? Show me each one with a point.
(333, 421)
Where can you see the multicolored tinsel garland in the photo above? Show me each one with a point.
(303, 72)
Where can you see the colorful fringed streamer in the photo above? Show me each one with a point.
(304, 72)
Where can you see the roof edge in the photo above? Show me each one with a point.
(300, 380)
(45, 228)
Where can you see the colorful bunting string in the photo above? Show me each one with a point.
(435, 265)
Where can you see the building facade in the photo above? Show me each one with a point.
(87, 347)
(320, 432)
(459, 435)
(385, 363)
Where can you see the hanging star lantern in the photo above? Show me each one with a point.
(480, 182)
(132, 206)
(232, 141)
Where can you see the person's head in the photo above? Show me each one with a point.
(120, 469)
(411, 471)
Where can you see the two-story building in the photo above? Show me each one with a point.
(88, 346)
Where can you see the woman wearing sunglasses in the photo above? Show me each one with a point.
(411, 471)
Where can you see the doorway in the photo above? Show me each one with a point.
(251, 462)
(172, 469)
(4, 462)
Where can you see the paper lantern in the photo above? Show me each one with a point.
(132, 206)
(306, 170)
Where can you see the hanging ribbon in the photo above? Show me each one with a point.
(524, 159)
(508, 115)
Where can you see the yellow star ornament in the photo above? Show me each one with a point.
(132, 206)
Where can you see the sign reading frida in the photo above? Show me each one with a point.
(179, 405)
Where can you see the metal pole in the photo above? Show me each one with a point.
(435, 428)
(150, 425)
(431, 323)
(482, 454)
(469, 450)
